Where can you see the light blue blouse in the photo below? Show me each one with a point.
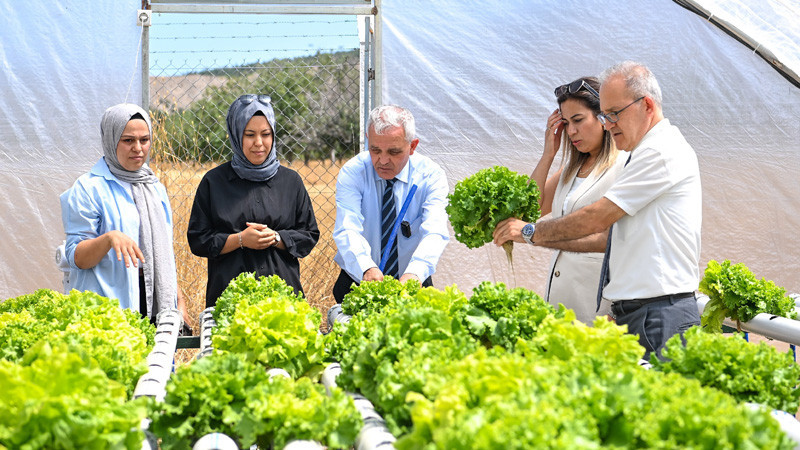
(357, 233)
(97, 203)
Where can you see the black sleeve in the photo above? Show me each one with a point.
(204, 240)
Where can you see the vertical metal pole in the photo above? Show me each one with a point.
(366, 91)
(378, 52)
(146, 68)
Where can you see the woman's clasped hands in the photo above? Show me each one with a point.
(259, 236)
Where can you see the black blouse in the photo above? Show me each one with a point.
(222, 206)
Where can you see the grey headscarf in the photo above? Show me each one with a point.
(160, 278)
(239, 114)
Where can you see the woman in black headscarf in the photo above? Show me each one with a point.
(251, 214)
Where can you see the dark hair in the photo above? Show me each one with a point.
(608, 152)
(137, 116)
(259, 113)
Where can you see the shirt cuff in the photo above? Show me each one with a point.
(364, 263)
(418, 268)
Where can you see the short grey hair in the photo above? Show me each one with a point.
(384, 117)
(639, 80)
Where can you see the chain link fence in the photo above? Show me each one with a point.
(199, 64)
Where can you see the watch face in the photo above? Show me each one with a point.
(527, 230)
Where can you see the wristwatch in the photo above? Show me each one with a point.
(277, 238)
(527, 232)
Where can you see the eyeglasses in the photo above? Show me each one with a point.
(613, 116)
(574, 87)
(250, 98)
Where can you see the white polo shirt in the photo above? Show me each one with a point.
(655, 248)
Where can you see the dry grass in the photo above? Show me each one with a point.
(318, 272)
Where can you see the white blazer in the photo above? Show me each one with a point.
(574, 277)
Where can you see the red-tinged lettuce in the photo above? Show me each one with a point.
(733, 291)
(756, 373)
(481, 201)
(227, 394)
(56, 397)
(279, 331)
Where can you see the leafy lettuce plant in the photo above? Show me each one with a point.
(481, 201)
(756, 373)
(734, 292)
(496, 399)
(254, 289)
(59, 397)
(501, 316)
(370, 296)
(277, 331)
(116, 339)
(227, 394)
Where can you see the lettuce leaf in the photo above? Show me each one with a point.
(734, 292)
(228, 394)
(756, 373)
(481, 201)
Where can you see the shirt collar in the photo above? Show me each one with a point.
(101, 169)
(404, 174)
(653, 132)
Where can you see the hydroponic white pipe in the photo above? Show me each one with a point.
(374, 434)
(161, 359)
(207, 324)
(335, 314)
(215, 441)
(773, 327)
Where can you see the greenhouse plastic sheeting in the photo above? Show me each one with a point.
(61, 65)
(479, 77)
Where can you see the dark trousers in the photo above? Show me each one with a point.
(658, 321)
(344, 284)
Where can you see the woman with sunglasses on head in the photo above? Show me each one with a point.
(589, 166)
(251, 214)
(118, 221)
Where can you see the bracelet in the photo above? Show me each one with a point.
(240, 241)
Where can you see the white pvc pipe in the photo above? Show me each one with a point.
(773, 327)
(207, 324)
(215, 441)
(278, 372)
(328, 378)
(303, 445)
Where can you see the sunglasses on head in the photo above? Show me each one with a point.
(574, 87)
(250, 98)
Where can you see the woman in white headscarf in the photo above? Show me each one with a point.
(251, 214)
(118, 221)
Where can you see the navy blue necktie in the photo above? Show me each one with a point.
(604, 277)
(387, 223)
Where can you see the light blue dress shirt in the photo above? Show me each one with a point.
(357, 233)
(97, 203)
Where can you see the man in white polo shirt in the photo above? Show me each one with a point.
(655, 206)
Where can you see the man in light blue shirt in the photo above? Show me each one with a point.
(390, 164)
